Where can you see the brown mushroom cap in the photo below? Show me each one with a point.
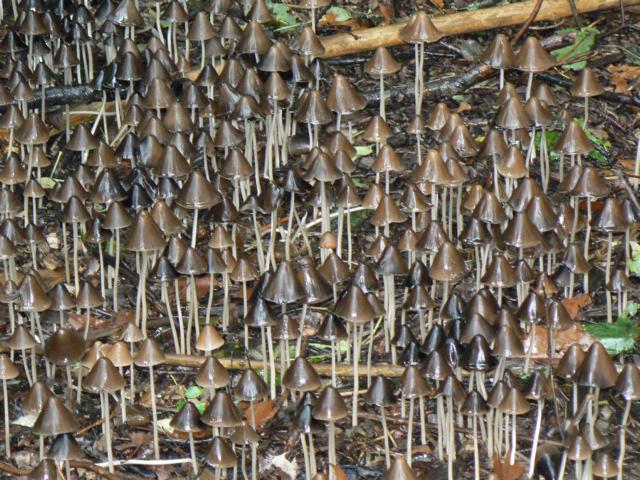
(301, 376)
(55, 419)
(104, 377)
(330, 406)
(64, 347)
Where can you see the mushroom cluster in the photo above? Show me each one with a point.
(231, 194)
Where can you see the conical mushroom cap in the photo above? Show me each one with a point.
(605, 466)
(308, 43)
(330, 406)
(82, 140)
(628, 382)
(532, 57)
(149, 354)
(597, 369)
(400, 470)
(8, 371)
(131, 333)
(32, 131)
(197, 193)
(508, 344)
(420, 29)
(343, 98)
(21, 338)
(578, 449)
(64, 347)
(209, 339)
(65, 447)
(245, 435)
(222, 412)
(283, 286)
(55, 419)
(212, 374)
(220, 454)
(611, 217)
(514, 402)
(413, 383)
(32, 295)
(499, 273)
(387, 212)
(104, 377)
(448, 264)
(145, 235)
(88, 296)
(380, 393)
(301, 376)
(512, 115)
(570, 362)
(537, 387)
(45, 470)
(119, 354)
(187, 419)
(251, 386)
(586, 84)
(354, 306)
(381, 63)
(474, 404)
(498, 54)
(573, 140)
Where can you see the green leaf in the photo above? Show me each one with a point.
(363, 150)
(193, 391)
(47, 183)
(584, 42)
(340, 14)
(181, 403)
(201, 406)
(634, 263)
(282, 15)
(617, 337)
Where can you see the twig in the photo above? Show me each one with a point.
(147, 463)
(528, 22)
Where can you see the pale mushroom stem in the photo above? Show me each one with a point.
(67, 269)
(272, 364)
(333, 362)
(154, 415)
(123, 405)
(192, 450)
(563, 465)
(76, 267)
(512, 457)
(174, 333)
(176, 290)
(356, 378)
(439, 421)
(451, 444)
(623, 438)
(116, 273)
(104, 403)
(332, 450)
(476, 454)
(305, 454)
(536, 437)
(410, 431)
(7, 424)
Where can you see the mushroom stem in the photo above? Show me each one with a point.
(272, 364)
(357, 333)
(76, 268)
(536, 437)
(333, 362)
(176, 289)
(154, 415)
(476, 454)
(623, 437)
(104, 403)
(116, 272)
(563, 465)
(451, 444)
(192, 450)
(410, 431)
(529, 85)
(332, 450)
(7, 424)
(441, 432)
(165, 295)
(385, 433)
(512, 456)
(67, 269)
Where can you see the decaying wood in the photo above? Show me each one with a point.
(464, 22)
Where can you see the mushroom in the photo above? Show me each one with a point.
(8, 371)
(187, 419)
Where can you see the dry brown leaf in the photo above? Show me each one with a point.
(622, 74)
(439, 4)
(338, 473)
(563, 338)
(331, 19)
(387, 14)
(503, 470)
(264, 412)
(463, 107)
(574, 304)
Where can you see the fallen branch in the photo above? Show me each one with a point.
(463, 22)
(346, 370)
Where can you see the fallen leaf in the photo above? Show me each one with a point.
(563, 338)
(264, 411)
(503, 470)
(340, 17)
(621, 75)
(463, 107)
(438, 4)
(574, 304)
(122, 317)
(286, 466)
(387, 14)
(338, 473)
